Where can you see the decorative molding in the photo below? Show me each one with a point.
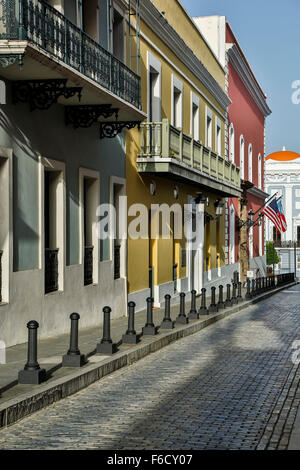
(153, 18)
(6, 60)
(258, 193)
(85, 116)
(111, 129)
(242, 69)
(42, 94)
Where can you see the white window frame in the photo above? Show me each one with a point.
(123, 241)
(154, 64)
(2, 92)
(259, 171)
(122, 13)
(242, 157)
(218, 137)
(251, 242)
(57, 166)
(209, 132)
(177, 85)
(95, 175)
(250, 163)
(195, 123)
(231, 143)
(6, 227)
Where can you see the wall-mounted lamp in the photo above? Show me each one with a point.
(219, 205)
(250, 222)
(152, 188)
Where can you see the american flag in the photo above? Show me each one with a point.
(272, 212)
(282, 217)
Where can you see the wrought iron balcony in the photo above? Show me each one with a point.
(51, 270)
(36, 21)
(88, 265)
(165, 148)
(117, 261)
(1, 253)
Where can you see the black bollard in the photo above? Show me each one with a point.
(167, 323)
(106, 346)
(228, 302)
(248, 293)
(182, 318)
(221, 303)
(234, 299)
(203, 309)
(193, 315)
(213, 308)
(130, 336)
(253, 288)
(73, 358)
(149, 329)
(32, 373)
(239, 296)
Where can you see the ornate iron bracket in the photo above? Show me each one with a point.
(112, 129)
(207, 218)
(85, 116)
(41, 94)
(9, 59)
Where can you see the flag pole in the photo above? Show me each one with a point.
(266, 202)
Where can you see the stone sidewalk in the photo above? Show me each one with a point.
(17, 401)
(50, 351)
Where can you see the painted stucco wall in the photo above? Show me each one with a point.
(185, 27)
(138, 186)
(283, 177)
(184, 74)
(248, 121)
(44, 133)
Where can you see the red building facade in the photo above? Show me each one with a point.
(246, 148)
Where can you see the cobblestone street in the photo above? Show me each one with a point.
(231, 386)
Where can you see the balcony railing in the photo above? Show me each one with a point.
(88, 265)
(161, 139)
(1, 253)
(51, 270)
(286, 244)
(41, 24)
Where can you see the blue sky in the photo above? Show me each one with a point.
(269, 33)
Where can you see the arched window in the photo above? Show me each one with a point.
(259, 172)
(231, 143)
(231, 234)
(250, 163)
(242, 157)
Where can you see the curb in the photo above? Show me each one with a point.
(16, 409)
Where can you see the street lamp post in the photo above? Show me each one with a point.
(273, 258)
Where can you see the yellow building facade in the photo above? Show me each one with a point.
(177, 154)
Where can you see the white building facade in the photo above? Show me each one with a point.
(282, 176)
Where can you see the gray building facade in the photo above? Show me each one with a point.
(66, 97)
